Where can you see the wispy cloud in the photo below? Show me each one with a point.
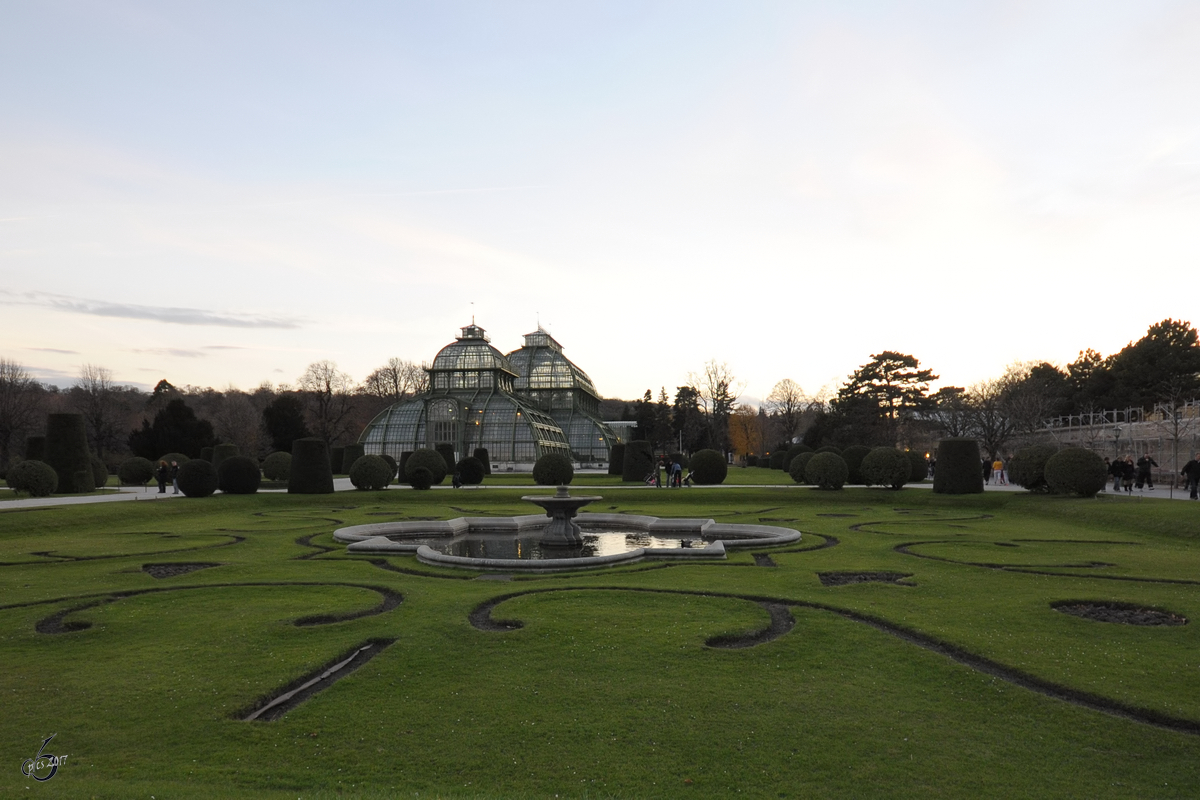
(54, 350)
(171, 351)
(171, 315)
(222, 347)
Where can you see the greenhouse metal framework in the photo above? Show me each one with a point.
(516, 409)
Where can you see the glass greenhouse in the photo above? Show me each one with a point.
(471, 403)
(551, 383)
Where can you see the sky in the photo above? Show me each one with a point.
(220, 194)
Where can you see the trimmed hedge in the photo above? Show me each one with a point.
(35, 478)
(959, 468)
(777, 459)
(678, 457)
(553, 469)
(751, 461)
(853, 456)
(428, 459)
(485, 458)
(67, 453)
(197, 478)
(446, 451)
(222, 452)
(1028, 467)
(470, 471)
(206, 454)
(277, 466)
(616, 459)
(919, 466)
(791, 453)
(336, 456)
(829, 449)
(135, 471)
(404, 454)
(180, 458)
(238, 475)
(885, 466)
(35, 448)
(799, 465)
(350, 454)
(99, 472)
(826, 471)
(420, 478)
(708, 468)
(391, 463)
(638, 461)
(311, 473)
(1074, 470)
(370, 472)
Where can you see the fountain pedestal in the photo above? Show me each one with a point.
(562, 530)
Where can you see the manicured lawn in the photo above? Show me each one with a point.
(956, 682)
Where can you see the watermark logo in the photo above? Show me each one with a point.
(43, 766)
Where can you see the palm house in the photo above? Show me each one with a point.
(472, 402)
(551, 383)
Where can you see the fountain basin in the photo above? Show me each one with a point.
(708, 540)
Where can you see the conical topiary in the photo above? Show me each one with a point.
(311, 473)
(350, 454)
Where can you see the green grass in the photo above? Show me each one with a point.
(608, 690)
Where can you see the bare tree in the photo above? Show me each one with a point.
(990, 416)
(396, 380)
(327, 392)
(717, 390)
(20, 400)
(236, 420)
(96, 397)
(786, 403)
(952, 411)
(1179, 419)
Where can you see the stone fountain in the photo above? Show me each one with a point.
(561, 507)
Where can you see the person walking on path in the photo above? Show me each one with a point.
(1144, 473)
(676, 474)
(1114, 472)
(174, 473)
(162, 474)
(1128, 470)
(987, 471)
(1191, 471)
(998, 471)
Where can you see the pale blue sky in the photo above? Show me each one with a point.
(220, 193)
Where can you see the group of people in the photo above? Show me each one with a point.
(674, 472)
(1126, 474)
(167, 472)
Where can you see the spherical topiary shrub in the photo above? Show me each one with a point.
(277, 466)
(799, 465)
(67, 453)
(34, 478)
(350, 454)
(222, 452)
(918, 466)
(826, 471)
(485, 458)
(1028, 467)
(35, 448)
(447, 453)
(885, 466)
(429, 459)
(959, 468)
(553, 469)
(238, 475)
(1076, 471)
(638, 461)
(616, 459)
(404, 455)
(311, 473)
(791, 453)
(391, 463)
(829, 449)
(336, 456)
(135, 471)
(708, 468)
(470, 471)
(420, 478)
(370, 472)
(99, 472)
(197, 478)
(777, 459)
(853, 456)
(206, 454)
